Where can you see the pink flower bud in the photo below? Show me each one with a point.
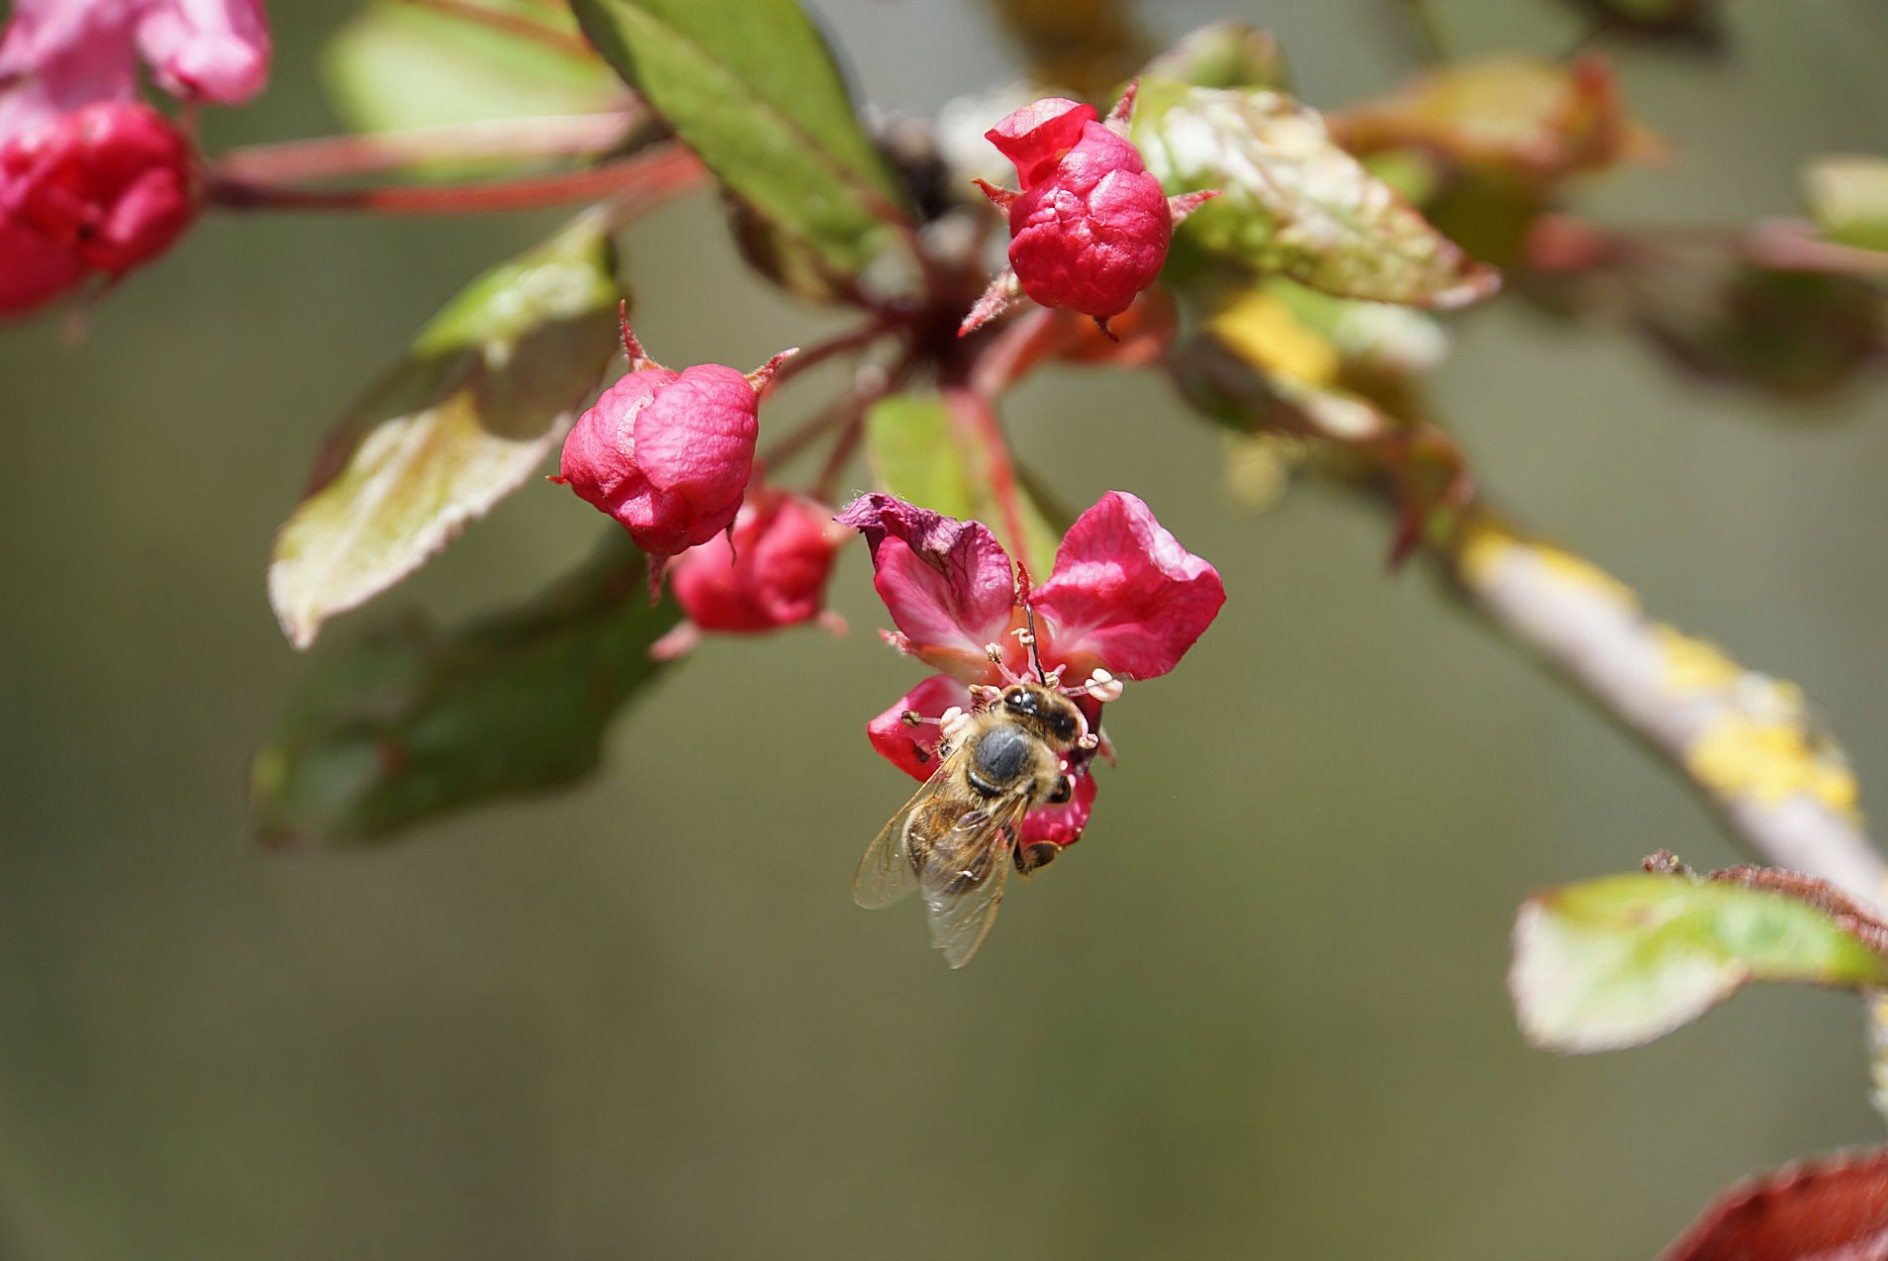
(1091, 227)
(105, 188)
(769, 571)
(668, 454)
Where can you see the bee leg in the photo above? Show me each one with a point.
(1030, 858)
(1064, 790)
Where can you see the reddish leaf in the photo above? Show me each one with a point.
(1833, 1209)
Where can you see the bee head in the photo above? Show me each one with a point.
(1058, 717)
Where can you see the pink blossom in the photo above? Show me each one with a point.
(768, 571)
(102, 189)
(1123, 597)
(206, 50)
(1090, 228)
(668, 454)
(59, 55)
(912, 747)
(91, 180)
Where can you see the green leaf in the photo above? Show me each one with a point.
(412, 724)
(1292, 201)
(1849, 198)
(751, 87)
(1615, 962)
(1225, 54)
(397, 65)
(487, 389)
(930, 451)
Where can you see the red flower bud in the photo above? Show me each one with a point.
(665, 453)
(769, 571)
(1091, 226)
(104, 188)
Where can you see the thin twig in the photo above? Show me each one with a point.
(974, 410)
(333, 157)
(1743, 739)
(855, 340)
(648, 179)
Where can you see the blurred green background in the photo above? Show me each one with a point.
(1260, 1011)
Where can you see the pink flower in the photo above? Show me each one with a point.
(91, 180)
(59, 55)
(1090, 228)
(768, 571)
(1123, 598)
(102, 189)
(206, 50)
(668, 454)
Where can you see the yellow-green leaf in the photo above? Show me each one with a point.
(1292, 201)
(397, 65)
(1849, 197)
(1615, 962)
(486, 390)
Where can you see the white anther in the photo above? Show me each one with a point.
(1103, 686)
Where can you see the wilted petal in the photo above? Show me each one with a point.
(947, 583)
(1124, 594)
(210, 50)
(913, 749)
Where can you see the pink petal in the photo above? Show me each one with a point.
(33, 270)
(947, 583)
(208, 50)
(1063, 824)
(1124, 594)
(696, 438)
(1036, 136)
(914, 749)
(771, 573)
(57, 56)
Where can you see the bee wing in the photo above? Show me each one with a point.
(885, 873)
(963, 878)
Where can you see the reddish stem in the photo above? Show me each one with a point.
(836, 459)
(1018, 348)
(857, 339)
(513, 24)
(330, 157)
(972, 410)
(643, 182)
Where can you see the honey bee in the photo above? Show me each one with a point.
(958, 836)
